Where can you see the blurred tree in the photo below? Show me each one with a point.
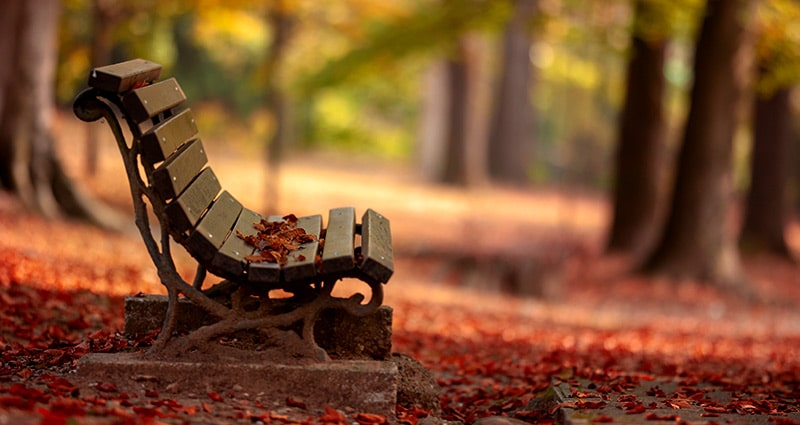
(765, 210)
(105, 16)
(465, 160)
(277, 100)
(641, 137)
(29, 166)
(512, 126)
(433, 120)
(697, 242)
(773, 131)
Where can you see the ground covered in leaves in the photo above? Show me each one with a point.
(458, 309)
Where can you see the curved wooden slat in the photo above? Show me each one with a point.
(184, 212)
(338, 254)
(123, 76)
(302, 262)
(213, 228)
(376, 247)
(172, 176)
(146, 102)
(162, 140)
(229, 261)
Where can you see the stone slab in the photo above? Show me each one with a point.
(362, 385)
(342, 335)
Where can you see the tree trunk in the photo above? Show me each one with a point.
(29, 166)
(640, 146)
(697, 242)
(433, 120)
(465, 160)
(277, 101)
(103, 22)
(512, 128)
(765, 212)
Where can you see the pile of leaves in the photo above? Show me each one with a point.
(275, 240)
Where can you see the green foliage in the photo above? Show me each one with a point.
(777, 50)
(431, 27)
(668, 19)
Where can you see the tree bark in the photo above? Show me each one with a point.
(29, 166)
(277, 100)
(104, 19)
(765, 213)
(697, 242)
(640, 145)
(512, 127)
(433, 120)
(467, 127)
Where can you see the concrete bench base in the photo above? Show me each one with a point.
(342, 335)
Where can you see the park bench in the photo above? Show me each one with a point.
(193, 210)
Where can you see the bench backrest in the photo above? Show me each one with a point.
(200, 214)
(203, 217)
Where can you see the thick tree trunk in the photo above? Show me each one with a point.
(465, 161)
(104, 19)
(433, 120)
(8, 15)
(697, 242)
(640, 146)
(277, 100)
(765, 212)
(512, 128)
(29, 166)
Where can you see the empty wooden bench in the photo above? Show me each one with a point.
(188, 199)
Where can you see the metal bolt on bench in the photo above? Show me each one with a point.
(193, 210)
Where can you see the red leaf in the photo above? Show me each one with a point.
(635, 409)
(332, 416)
(215, 396)
(51, 418)
(68, 406)
(370, 419)
(107, 387)
(656, 417)
(602, 419)
(62, 386)
(295, 403)
(16, 402)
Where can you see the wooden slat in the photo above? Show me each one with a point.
(213, 228)
(189, 206)
(338, 255)
(172, 176)
(376, 247)
(265, 272)
(269, 273)
(302, 262)
(229, 260)
(160, 141)
(123, 76)
(149, 101)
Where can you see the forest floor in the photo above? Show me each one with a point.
(499, 291)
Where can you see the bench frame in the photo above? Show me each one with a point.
(236, 310)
